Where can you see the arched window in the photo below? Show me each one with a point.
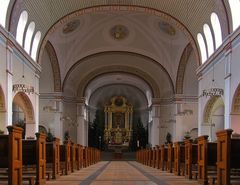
(21, 27)
(216, 29)
(28, 37)
(3, 11)
(235, 7)
(35, 45)
(202, 46)
(209, 39)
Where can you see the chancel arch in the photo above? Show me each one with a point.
(23, 113)
(213, 117)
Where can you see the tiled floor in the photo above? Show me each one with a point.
(121, 173)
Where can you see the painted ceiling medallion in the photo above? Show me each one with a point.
(119, 32)
(71, 26)
(167, 28)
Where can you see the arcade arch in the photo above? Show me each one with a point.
(214, 117)
(23, 113)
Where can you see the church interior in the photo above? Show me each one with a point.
(124, 91)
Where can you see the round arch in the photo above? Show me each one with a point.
(23, 101)
(235, 110)
(214, 116)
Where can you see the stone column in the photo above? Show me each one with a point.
(36, 112)
(81, 129)
(9, 85)
(155, 122)
(200, 107)
(227, 87)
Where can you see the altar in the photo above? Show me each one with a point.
(118, 123)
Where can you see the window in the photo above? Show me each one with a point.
(235, 6)
(36, 41)
(28, 37)
(21, 27)
(3, 11)
(209, 39)
(216, 29)
(202, 47)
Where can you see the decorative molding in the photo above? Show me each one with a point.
(181, 68)
(55, 67)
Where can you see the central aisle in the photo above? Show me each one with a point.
(122, 173)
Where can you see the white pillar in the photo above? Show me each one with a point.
(9, 85)
(227, 89)
(82, 130)
(200, 108)
(36, 112)
(155, 122)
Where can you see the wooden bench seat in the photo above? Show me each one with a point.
(228, 161)
(30, 179)
(212, 179)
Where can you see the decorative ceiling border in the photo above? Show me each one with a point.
(55, 66)
(182, 67)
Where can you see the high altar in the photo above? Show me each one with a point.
(118, 121)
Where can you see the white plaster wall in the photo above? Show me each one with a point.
(167, 122)
(215, 72)
(46, 77)
(186, 122)
(70, 110)
(190, 83)
(218, 123)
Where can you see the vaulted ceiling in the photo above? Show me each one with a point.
(142, 44)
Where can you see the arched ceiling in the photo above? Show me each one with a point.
(93, 40)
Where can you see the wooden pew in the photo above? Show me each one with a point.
(73, 156)
(53, 157)
(11, 156)
(179, 158)
(153, 158)
(65, 159)
(158, 155)
(149, 157)
(191, 158)
(228, 152)
(170, 157)
(79, 157)
(163, 158)
(207, 158)
(34, 155)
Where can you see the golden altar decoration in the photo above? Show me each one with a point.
(118, 122)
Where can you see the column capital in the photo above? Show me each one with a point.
(156, 101)
(81, 100)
